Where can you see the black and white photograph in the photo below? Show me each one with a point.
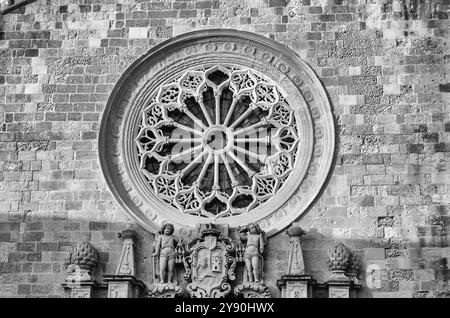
(242, 150)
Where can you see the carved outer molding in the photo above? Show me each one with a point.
(133, 92)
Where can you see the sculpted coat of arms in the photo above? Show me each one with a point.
(209, 264)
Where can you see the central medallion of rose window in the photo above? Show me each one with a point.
(217, 141)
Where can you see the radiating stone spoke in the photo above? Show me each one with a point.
(184, 140)
(229, 171)
(196, 120)
(216, 171)
(185, 128)
(255, 126)
(249, 153)
(217, 96)
(186, 152)
(205, 111)
(246, 168)
(231, 109)
(256, 140)
(205, 168)
(194, 162)
(242, 117)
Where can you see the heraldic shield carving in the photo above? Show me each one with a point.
(210, 263)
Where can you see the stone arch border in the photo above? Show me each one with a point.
(131, 93)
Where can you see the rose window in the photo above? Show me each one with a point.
(220, 126)
(217, 141)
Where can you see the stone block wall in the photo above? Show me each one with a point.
(385, 66)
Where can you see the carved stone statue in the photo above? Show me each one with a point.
(166, 254)
(255, 239)
(252, 286)
(165, 251)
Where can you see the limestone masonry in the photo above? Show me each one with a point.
(384, 68)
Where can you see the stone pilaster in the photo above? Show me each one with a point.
(124, 284)
(296, 284)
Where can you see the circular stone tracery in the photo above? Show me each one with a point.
(156, 113)
(217, 142)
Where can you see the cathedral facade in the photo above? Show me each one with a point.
(224, 148)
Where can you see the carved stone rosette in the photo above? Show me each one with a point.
(210, 263)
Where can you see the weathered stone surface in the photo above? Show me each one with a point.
(384, 65)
